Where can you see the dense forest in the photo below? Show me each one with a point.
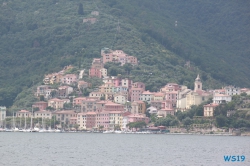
(40, 37)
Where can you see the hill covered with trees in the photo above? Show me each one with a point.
(40, 37)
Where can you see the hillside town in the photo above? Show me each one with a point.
(118, 101)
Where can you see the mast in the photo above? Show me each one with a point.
(13, 121)
(54, 122)
(25, 123)
(31, 119)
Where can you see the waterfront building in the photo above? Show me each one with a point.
(102, 120)
(2, 114)
(43, 114)
(23, 114)
(81, 120)
(115, 119)
(65, 115)
(91, 120)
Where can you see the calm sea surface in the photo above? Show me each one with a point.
(119, 149)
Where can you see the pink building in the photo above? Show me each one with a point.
(103, 120)
(135, 93)
(78, 100)
(170, 87)
(100, 106)
(137, 118)
(118, 56)
(95, 72)
(110, 106)
(41, 105)
(172, 97)
(90, 120)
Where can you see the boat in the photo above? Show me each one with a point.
(118, 132)
(57, 130)
(108, 132)
(43, 130)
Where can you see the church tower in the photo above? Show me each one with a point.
(197, 84)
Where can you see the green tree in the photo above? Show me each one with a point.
(187, 121)
(67, 106)
(221, 121)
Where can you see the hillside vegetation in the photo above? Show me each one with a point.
(40, 37)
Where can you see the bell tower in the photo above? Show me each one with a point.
(197, 84)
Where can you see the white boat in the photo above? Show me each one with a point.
(50, 130)
(15, 129)
(27, 130)
(57, 130)
(118, 132)
(108, 132)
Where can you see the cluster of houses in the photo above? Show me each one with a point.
(118, 101)
(107, 55)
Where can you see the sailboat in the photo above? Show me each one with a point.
(50, 130)
(14, 128)
(25, 126)
(35, 129)
(56, 130)
(43, 129)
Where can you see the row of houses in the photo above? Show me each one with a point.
(106, 120)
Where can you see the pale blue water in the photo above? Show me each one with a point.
(48, 149)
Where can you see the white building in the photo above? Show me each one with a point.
(147, 96)
(43, 114)
(2, 115)
(81, 120)
(120, 99)
(104, 72)
(221, 98)
(232, 90)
